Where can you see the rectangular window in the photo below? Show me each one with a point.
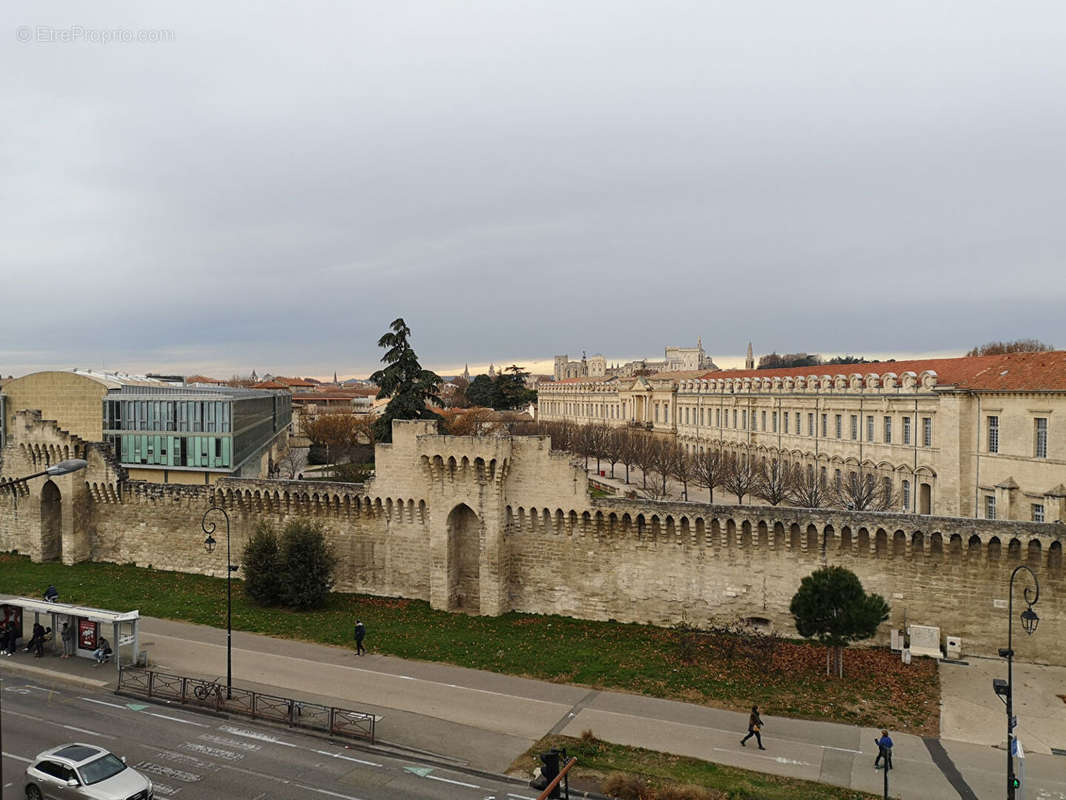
(854, 426)
(839, 425)
(870, 428)
(825, 423)
(701, 416)
(906, 430)
(797, 423)
(786, 422)
(718, 418)
(686, 415)
(927, 431)
(1038, 512)
(990, 506)
(810, 424)
(1040, 430)
(744, 419)
(775, 421)
(666, 413)
(734, 418)
(906, 495)
(764, 420)
(888, 430)
(656, 412)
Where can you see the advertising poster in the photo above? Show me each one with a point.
(86, 634)
(13, 613)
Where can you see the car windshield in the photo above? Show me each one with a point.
(101, 769)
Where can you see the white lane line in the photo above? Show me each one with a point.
(521, 796)
(177, 719)
(102, 703)
(324, 791)
(18, 758)
(841, 749)
(346, 758)
(448, 780)
(91, 733)
(778, 759)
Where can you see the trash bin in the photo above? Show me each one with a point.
(603, 473)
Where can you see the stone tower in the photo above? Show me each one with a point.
(749, 362)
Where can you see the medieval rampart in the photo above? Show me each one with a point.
(494, 524)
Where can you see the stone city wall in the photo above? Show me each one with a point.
(493, 524)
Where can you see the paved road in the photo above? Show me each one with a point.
(193, 755)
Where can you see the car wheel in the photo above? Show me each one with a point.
(33, 793)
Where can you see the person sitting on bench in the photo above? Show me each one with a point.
(103, 652)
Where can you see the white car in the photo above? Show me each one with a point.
(84, 771)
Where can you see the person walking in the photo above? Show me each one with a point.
(36, 642)
(360, 634)
(754, 728)
(884, 750)
(9, 637)
(67, 635)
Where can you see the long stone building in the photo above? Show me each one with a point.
(977, 437)
(494, 524)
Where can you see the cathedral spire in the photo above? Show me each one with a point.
(749, 362)
(466, 372)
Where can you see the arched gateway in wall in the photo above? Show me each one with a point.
(51, 523)
(464, 559)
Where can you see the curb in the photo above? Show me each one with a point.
(50, 673)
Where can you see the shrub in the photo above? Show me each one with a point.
(307, 563)
(623, 786)
(262, 569)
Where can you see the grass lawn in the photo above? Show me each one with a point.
(596, 760)
(788, 680)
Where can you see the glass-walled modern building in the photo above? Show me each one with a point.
(201, 429)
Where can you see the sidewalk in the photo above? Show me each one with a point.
(485, 720)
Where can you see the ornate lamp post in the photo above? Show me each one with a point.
(209, 546)
(1006, 689)
(62, 468)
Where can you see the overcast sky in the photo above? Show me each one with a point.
(269, 187)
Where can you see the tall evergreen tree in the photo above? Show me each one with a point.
(409, 387)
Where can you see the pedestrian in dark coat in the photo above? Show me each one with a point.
(360, 634)
(754, 728)
(51, 594)
(884, 750)
(11, 638)
(36, 642)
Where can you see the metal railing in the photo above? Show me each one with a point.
(257, 705)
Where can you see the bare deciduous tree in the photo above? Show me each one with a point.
(663, 462)
(644, 455)
(290, 463)
(741, 475)
(774, 483)
(709, 470)
(683, 469)
(613, 445)
(865, 490)
(808, 489)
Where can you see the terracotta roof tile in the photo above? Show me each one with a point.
(1010, 372)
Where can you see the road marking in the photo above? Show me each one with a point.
(521, 796)
(214, 752)
(177, 719)
(91, 733)
(457, 783)
(210, 737)
(778, 759)
(324, 791)
(102, 703)
(346, 758)
(841, 749)
(18, 758)
(168, 772)
(419, 771)
(262, 737)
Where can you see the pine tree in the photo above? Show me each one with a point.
(410, 388)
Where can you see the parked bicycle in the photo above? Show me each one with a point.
(205, 691)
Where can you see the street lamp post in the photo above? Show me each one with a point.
(209, 545)
(62, 468)
(1006, 689)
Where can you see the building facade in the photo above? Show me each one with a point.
(675, 359)
(977, 437)
(158, 431)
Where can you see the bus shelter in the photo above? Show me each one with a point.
(120, 628)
